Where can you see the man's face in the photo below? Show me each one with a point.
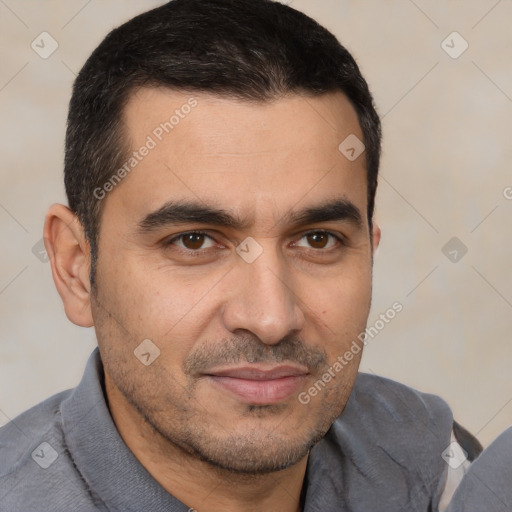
(244, 326)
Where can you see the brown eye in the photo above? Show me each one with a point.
(317, 240)
(193, 241)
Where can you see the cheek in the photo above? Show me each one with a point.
(148, 298)
(163, 306)
(342, 301)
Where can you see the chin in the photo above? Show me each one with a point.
(255, 452)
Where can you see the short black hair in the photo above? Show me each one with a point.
(254, 50)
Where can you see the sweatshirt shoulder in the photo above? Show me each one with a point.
(398, 402)
(410, 427)
(23, 434)
(386, 447)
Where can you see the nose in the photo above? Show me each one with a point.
(263, 300)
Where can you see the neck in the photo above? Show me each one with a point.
(198, 484)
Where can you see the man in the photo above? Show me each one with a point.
(221, 169)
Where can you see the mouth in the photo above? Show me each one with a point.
(258, 385)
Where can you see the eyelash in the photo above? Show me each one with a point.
(340, 239)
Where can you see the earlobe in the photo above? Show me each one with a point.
(69, 254)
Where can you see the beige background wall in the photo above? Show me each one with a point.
(446, 172)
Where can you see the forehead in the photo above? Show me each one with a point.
(249, 156)
(314, 121)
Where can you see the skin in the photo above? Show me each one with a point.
(300, 303)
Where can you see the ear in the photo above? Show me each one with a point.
(69, 255)
(376, 234)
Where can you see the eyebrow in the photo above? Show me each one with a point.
(183, 212)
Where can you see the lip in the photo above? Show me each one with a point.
(260, 386)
